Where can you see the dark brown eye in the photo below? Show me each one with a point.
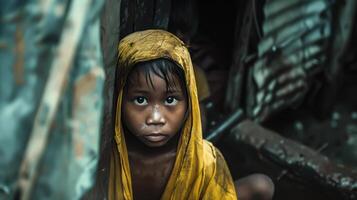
(171, 101)
(141, 101)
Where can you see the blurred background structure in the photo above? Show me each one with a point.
(282, 74)
(50, 98)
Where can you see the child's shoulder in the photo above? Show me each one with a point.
(218, 177)
(211, 154)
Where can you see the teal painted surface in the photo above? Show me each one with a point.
(30, 34)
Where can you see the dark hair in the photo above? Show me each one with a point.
(164, 68)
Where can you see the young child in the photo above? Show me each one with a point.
(159, 151)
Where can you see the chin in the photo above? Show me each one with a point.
(154, 144)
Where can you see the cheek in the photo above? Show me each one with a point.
(182, 111)
(178, 116)
(132, 119)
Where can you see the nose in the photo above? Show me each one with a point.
(156, 117)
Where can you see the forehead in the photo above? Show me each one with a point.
(141, 78)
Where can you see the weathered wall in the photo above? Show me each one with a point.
(50, 97)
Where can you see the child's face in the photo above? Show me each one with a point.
(153, 113)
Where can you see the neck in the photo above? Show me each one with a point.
(135, 146)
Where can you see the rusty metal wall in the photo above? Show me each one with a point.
(51, 63)
(288, 62)
(291, 55)
(293, 48)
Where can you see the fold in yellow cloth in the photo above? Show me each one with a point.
(200, 171)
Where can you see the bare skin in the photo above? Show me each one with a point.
(255, 187)
(153, 116)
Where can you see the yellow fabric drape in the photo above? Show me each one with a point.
(200, 171)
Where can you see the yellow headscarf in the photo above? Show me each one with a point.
(200, 171)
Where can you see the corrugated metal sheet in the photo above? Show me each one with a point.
(293, 48)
